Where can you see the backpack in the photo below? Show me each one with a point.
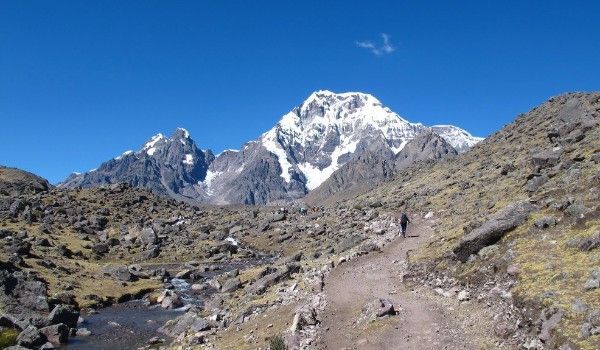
(404, 219)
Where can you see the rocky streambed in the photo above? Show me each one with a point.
(137, 323)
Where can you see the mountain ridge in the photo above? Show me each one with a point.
(294, 157)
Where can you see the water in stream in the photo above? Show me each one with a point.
(132, 324)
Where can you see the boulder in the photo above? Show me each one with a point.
(277, 217)
(100, 248)
(148, 236)
(119, 272)
(494, 229)
(30, 337)
(263, 283)
(547, 158)
(188, 321)
(305, 316)
(231, 285)
(56, 334)
(66, 314)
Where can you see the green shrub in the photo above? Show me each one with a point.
(277, 343)
(8, 337)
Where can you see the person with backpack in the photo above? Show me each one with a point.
(404, 220)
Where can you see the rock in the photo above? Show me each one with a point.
(119, 272)
(171, 301)
(276, 217)
(512, 270)
(190, 321)
(576, 210)
(549, 319)
(304, 316)
(463, 295)
(379, 308)
(594, 281)
(493, 230)
(31, 338)
(547, 158)
(151, 253)
(148, 237)
(429, 215)
(56, 334)
(263, 283)
(534, 183)
(545, 222)
(578, 306)
(231, 285)
(100, 248)
(83, 332)
(66, 314)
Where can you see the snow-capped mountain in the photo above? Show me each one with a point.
(307, 146)
(460, 139)
(321, 134)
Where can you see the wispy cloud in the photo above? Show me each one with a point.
(384, 49)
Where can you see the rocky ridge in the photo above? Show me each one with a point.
(308, 145)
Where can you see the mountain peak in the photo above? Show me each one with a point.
(181, 133)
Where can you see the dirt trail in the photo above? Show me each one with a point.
(421, 322)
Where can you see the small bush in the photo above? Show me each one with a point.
(8, 337)
(277, 343)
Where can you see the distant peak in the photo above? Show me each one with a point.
(181, 132)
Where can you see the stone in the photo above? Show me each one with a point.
(83, 332)
(171, 301)
(304, 316)
(119, 272)
(578, 306)
(549, 319)
(231, 285)
(148, 236)
(463, 295)
(276, 217)
(188, 321)
(100, 248)
(545, 222)
(56, 334)
(66, 314)
(547, 158)
(493, 230)
(534, 183)
(30, 337)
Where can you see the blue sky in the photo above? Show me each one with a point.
(83, 81)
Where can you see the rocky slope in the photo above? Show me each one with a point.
(298, 154)
(517, 224)
(378, 164)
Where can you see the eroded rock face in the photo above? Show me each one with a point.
(494, 229)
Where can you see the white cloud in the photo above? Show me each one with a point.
(384, 49)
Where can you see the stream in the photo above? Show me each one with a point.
(132, 324)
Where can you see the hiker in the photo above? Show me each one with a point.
(404, 220)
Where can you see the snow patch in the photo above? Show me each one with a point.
(189, 159)
(270, 143)
(149, 146)
(126, 153)
(315, 176)
(208, 180)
